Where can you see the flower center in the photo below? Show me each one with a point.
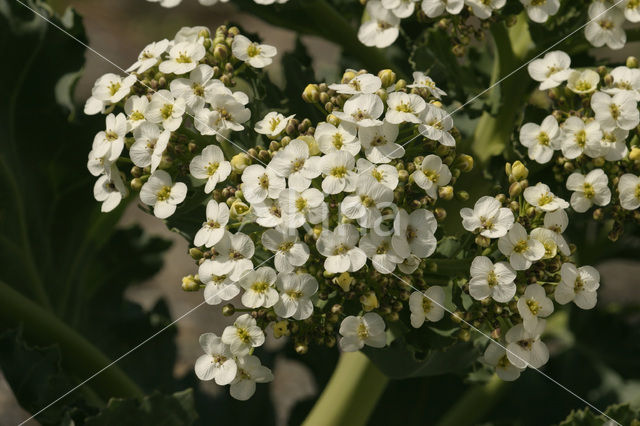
(552, 70)
(432, 175)
(363, 333)
(492, 279)
(543, 139)
(615, 111)
(578, 285)
(339, 172)
(606, 24)
(274, 124)
(286, 246)
(243, 335)
(377, 175)
(111, 135)
(260, 286)
(183, 58)
(198, 89)
(588, 190)
(426, 305)
(263, 181)
(521, 246)
(301, 204)
(382, 248)
(297, 165)
(534, 306)
(235, 255)
(367, 201)
(164, 193)
(114, 87)
(545, 199)
(166, 111)
(253, 50)
(213, 224)
(404, 107)
(341, 249)
(581, 138)
(294, 294)
(637, 192)
(337, 141)
(136, 116)
(360, 115)
(583, 86)
(212, 168)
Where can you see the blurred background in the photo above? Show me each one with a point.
(119, 29)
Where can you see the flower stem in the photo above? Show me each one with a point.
(351, 394)
(475, 404)
(78, 355)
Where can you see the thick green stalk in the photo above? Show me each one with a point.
(78, 355)
(511, 48)
(475, 404)
(351, 394)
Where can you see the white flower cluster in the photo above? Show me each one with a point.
(522, 250)
(146, 125)
(599, 131)
(174, 3)
(382, 18)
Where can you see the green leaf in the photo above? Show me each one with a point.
(622, 413)
(177, 409)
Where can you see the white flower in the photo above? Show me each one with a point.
(295, 163)
(149, 145)
(167, 3)
(365, 204)
(625, 80)
(217, 363)
(557, 222)
(484, 8)
(379, 143)
(589, 190)
(301, 207)
(404, 107)
(295, 291)
(337, 167)
(488, 216)
(243, 335)
(605, 26)
(212, 230)
(621, 110)
(427, 305)
(363, 83)
(161, 193)
(136, 107)
(489, 280)
(631, 10)
(259, 288)
(541, 197)
(363, 110)
(109, 189)
(580, 137)
(339, 248)
(524, 348)
(414, 233)
(409, 265)
(583, 82)
(362, 330)
(268, 213)
(193, 89)
(250, 372)
(400, 8)
(551, 70)
(272, 124)
(496, 356)
(541, 139)
(386, 174)
(210, 165)
(435, 8)
(254, 54)
(629, 189)
(423, 81)
(109, 143)
(166, 109)
(381, 27)
(183, 58)
(520, 248)
(540, 10)
(149, 56)
(431, 175)
(290, 251)
(234, 254)
(191, 34)
(578, 285)
(108, 89)
(534, 304)
(258, 183)
(218, 285)
(548, 240)
(342, 138)
(436, 126)
(226, 115)
(378, 248)
(99, 164)
(614, 145)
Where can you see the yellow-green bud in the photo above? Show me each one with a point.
(228, 310)
(239, 162)
(388, 77)
(348, 76)
(445, 192)
(369, 301)
(311, 143)
(195, 253)
(632, 62)
(464, 163)
(190, 283)
(401, 84)
(515, 189)
(311, 94)
(221, 52)
(519, 171)
(238, 209)
(634, 155)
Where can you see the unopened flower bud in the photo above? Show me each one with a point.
(634, 155)
(401, 84)
(632, 62)
(136, 184)
(195, 253)
(462, 195)
(239, 162)
(348, 76)
(445, 192)
(228, 310)
(344, 281)
(464, 163)
(483, 241)
(238, 209)
(281, 328)
(311, 94)
(440, 214)
(302, 348)
(221, 52)
(519, 171)
(369, 301)
(515, 189)
(388, 77)
(190, 283)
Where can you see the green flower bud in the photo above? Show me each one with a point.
(519, 171)
(632, 62)
(228, 310)
(195, 253)
(388, 77)
(190, 283)
(239, 162)
(311, 94)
